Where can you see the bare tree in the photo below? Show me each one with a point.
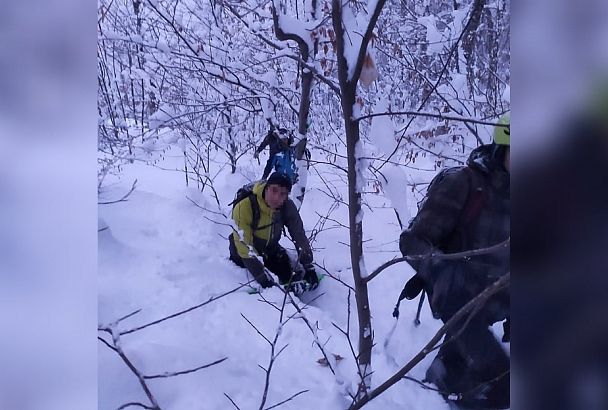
(349, 71)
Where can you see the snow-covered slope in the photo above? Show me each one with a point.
(162, 252)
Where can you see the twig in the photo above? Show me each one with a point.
(273, 345)
(214, 298)
(350, 343)
(335, 278)
(124, 406)
(256, 329)
(439, 256)
(106, 343)
(423, 385)
(232, 401)
(124, 197)
(127, 316)
(286, 400)
(172, 374)
(140, 377)
(453, 50)
(311, 328)
(432, 115)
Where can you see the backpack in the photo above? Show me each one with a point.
(244, 192)
(476, 197)
(475, 202)
(283, 162)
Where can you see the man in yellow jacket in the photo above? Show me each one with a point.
(260, 218)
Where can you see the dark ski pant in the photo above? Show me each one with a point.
(474, 364)
(277, 262)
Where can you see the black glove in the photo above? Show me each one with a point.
(256, 268)
(413, 287)
(310, 276)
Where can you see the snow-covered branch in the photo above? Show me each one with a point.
(431, 115)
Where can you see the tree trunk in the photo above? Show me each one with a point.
(348, 97)
(301, 162)
(299, 188)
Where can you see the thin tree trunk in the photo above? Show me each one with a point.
(348, 96)
(299, 188)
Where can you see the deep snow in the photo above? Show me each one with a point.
(162, 253)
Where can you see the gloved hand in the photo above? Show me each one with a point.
(310, 276)
(265, 282)
(256, 268)
(413, 287)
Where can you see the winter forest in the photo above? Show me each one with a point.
(379, 95)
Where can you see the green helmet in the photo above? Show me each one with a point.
(502, 135)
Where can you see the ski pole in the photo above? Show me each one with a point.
(417, 320)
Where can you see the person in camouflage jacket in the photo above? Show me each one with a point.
(466, 208)
(257, 247)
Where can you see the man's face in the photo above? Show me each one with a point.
(275, 196)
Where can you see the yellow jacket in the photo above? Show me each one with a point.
(265, 237)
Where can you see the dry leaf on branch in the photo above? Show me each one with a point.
(323, 361)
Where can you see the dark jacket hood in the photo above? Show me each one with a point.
(487, 158)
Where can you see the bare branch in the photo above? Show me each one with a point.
(273, 345)
(286, 400)
(135, 404)
(106, 343)
(140, 377)
(127, 316)
(212, 299)
(232, 401)
(256, 329)
(432, 115)
(124, 197)
(172, 374)
(440, 256)
(328, 273)
(313, 331)
(453, 50)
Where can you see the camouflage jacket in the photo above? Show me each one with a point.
(439, 225)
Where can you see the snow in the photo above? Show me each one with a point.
(163, 46)
(353, 38)
(362, 166)
(292, 25)
(163, 254)
(382, 133)
(433, 35)
(459, 20)
(506, 95)
(396, 180)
